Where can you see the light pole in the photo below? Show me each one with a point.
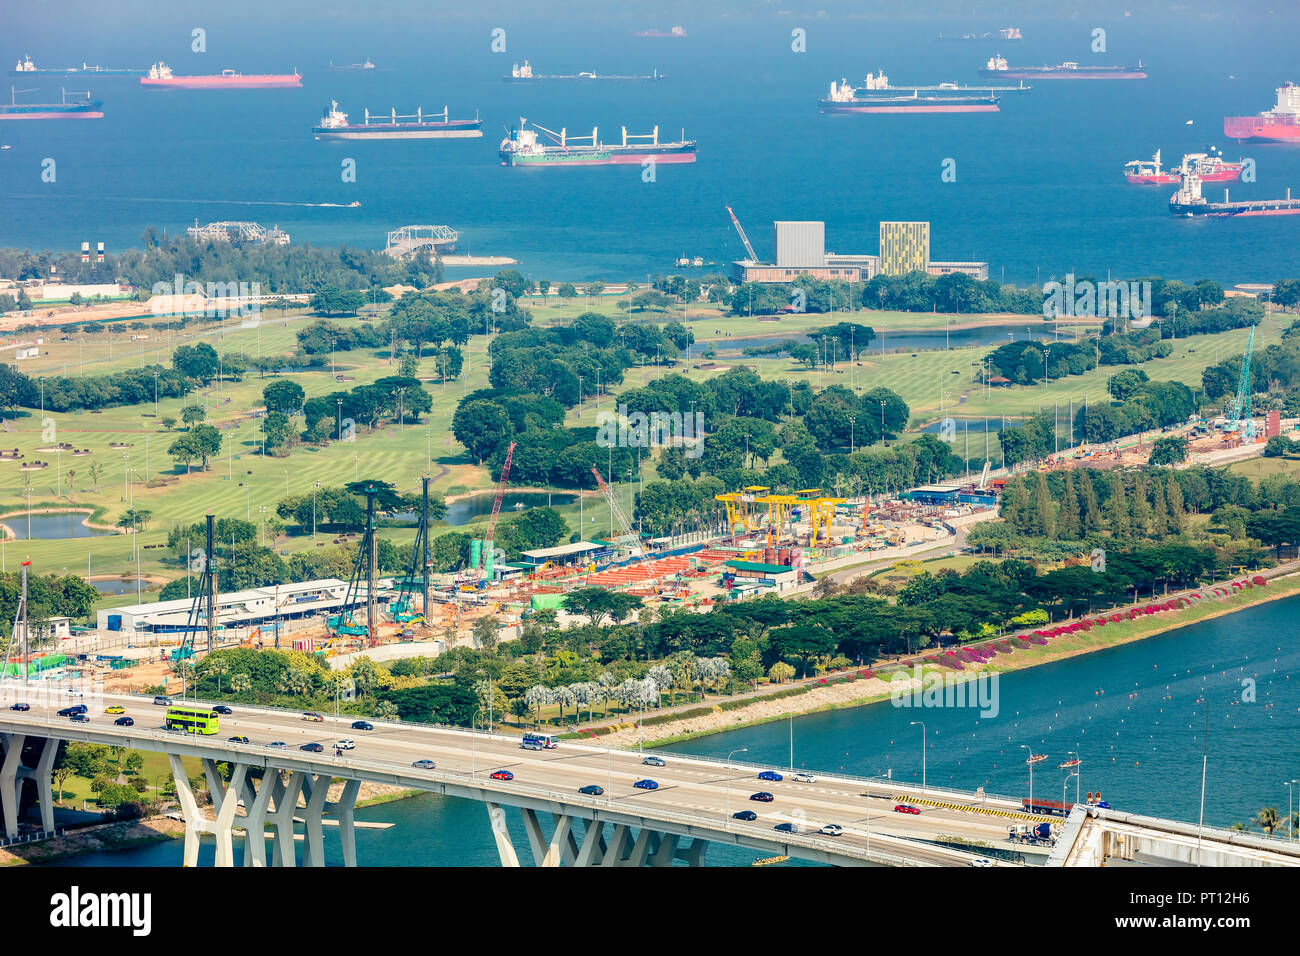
(1075, 755)
(1030, 761)
(922, 723)
(727, 798)
(792, 741)
(1290, 830)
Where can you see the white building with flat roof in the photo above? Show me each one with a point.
(248, 608)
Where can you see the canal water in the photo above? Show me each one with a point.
(464, 510)
(1136, 716)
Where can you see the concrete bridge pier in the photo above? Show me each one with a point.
(225, 800)
(316, 789)
(13, 773)
(648, 848)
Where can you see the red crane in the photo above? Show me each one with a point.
(496, 509)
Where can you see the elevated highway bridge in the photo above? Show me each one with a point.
(272, 791)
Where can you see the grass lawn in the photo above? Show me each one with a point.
(241, 483)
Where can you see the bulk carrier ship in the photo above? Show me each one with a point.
(418, 125)
(25, 67)
(85, 108)
(1209, 167)
(523, 148)
(878, 95)
(525, 74)
(160, 76)
(843, 98)
(997, 66)
(1188, 201)
(1281, 124)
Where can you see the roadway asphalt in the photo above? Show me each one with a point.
(708, 789)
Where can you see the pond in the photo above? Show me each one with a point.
(115, 586)
(69, 524)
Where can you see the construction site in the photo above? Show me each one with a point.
(767, 543)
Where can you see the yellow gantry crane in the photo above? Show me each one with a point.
(821, 510)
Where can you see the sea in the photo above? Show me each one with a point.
(1214, 704)
(1035, 190)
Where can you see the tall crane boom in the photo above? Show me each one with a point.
(749, 250)
(496, 508)
(1241, 407)
(624, 525)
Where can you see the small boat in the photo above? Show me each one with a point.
(1069, 764)
(770, 860)
(1035, 758)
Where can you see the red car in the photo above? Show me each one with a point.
(502, 775)
(906, 808)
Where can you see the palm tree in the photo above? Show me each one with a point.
(1267, 820)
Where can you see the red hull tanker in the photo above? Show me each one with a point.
(1209, 167)
(161, 77)
(1281, 124)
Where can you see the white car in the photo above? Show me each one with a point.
(73, 692)
(980, 861)
(801, 777)
(832, 829)
(345, 744)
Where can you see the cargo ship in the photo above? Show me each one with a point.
(523, 148)
(1009, 33)
(25, 67)
(878, 84)
(1281, 124)
(84, 108)
(1188, 201)
(525, 74)
(843, 100)
(367, 65)
(160, 76)
(1211, 167)
(674, 32)
(418, 125)
(997, 66)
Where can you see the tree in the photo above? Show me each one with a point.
(1171, 450)
(196, 361)
(780, 672)
(283, 396)
(802, 641)
(482, 426)
(193, 414)
(487, 631)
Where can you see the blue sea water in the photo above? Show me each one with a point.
(1039, 190)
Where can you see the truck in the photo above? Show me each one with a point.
(1054, 807)
(1031, 833)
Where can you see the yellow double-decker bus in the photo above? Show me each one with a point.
(192, 720)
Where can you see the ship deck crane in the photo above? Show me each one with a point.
(496, 511)
(749, 250)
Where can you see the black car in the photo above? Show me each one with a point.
(762, 796)
(744, 815)
(21, 707)
(81, 717)
(222, 709)
(312, 748)
(592, 790)
(362, 725)
(74, 709)
(787, 827)
(124, 722)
